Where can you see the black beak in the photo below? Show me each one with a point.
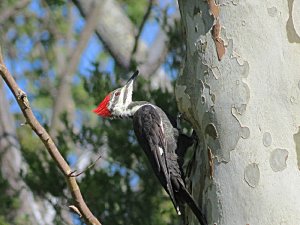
(136, 73)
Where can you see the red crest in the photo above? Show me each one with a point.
(102, 109)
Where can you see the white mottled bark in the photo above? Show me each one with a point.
(240, 88)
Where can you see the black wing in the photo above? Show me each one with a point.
(149, 130)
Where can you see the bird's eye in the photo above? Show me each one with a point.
(117, 93)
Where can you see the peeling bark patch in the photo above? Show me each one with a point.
(209, 98)
(216, 72)
(214, 8)
(292, 99)
(296, 16)
(211, 163)
(184, 103)
(252, 175)
(297, 143)
(235, 2)
(240, 109)
(216, 29)
(201, 45)
(272, 11)
(293, 34)
(211, 130)
(236, 104)
(267, 139)
(245, 132)
(278, 159)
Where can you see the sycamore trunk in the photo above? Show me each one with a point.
(240, 88)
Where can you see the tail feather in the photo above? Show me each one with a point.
(191, 203)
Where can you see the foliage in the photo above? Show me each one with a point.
(134, 193)
(135, 9)
(122, 188)
(8, 202)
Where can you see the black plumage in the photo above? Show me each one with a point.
(159, 139)
(158, 135)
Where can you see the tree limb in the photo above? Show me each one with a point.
(119, 40)
(70, 68)
(115, 30)
(137, 37)
(24, 105)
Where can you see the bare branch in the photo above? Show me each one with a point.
(70, 67)
(72, 174)
(119, 39)
(75, 210)
(24, 105)
(115, 30)
(137, 37)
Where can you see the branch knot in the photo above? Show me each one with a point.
(22, 96)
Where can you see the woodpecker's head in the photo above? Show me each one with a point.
(116, 102)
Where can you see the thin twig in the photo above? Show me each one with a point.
(75, 210)
(141, 27)
(86, 169)
(24, 105)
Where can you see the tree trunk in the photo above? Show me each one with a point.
(119, 40)
(64, 101)
(240, 90)
(113, 32)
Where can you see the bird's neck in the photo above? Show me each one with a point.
(131, 109)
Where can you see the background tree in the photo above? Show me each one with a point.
(240, 89)
(59, 54)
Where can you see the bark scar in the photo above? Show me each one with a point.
(22, 96)
(211, 162)
(214, 8)
(216, 30)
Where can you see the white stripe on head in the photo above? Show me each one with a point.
(129, 93)
(121, 102)
(161, 151)
(121, 96)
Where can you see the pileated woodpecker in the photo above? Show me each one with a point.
(160, 140)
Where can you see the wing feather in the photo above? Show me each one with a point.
(148, 127)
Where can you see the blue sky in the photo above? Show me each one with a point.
(18, 65)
